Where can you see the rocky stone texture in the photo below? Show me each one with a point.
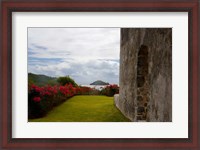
(116, 99)
(146, 74)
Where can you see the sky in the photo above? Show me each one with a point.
(85, 54)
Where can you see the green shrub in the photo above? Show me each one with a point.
(66, 80)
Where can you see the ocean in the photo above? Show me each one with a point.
(98, 87)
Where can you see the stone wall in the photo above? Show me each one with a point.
(146, 74)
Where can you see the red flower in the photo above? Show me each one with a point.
(47, 93)
(36, 99)
(55, 91)
(36, 88)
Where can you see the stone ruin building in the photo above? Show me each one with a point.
(146, 74)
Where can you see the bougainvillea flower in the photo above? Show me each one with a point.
(36, 99)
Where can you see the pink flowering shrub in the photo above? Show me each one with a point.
(110, 90)
(43, 99)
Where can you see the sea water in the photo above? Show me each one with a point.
(98, 87)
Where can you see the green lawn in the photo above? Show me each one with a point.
(85, 109)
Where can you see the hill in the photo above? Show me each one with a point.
(41, 80)
(99, 82)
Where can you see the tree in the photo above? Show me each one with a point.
(66, 80)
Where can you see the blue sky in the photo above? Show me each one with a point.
(85, 54)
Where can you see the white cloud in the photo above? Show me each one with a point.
(86, 54)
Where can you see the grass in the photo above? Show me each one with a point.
(85, 109)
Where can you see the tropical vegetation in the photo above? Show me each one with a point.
(44, 97)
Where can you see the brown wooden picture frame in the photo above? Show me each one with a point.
(9, 6)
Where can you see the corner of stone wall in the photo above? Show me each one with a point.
(150, 100)
(123, 107)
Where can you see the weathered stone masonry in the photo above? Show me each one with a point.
(146, 74)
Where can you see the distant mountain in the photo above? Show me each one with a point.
(41, 80)
(99, 82)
